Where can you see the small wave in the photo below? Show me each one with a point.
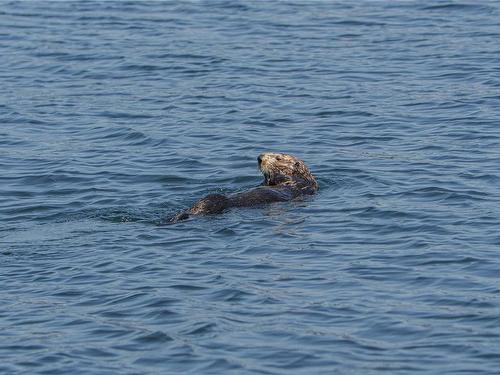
(458, 7)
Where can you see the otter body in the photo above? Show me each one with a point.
(285, 178)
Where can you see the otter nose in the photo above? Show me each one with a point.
(259, 159)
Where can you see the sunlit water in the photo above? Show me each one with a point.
(115, 115)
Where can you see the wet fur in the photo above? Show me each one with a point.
(285, 178)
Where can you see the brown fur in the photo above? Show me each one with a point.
(287, 170)
(285, 178)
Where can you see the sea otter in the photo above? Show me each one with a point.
(285, 178)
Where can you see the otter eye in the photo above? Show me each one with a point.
(278, 158)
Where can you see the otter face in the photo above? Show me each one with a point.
(279, 168)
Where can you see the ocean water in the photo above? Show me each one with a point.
(115, 115)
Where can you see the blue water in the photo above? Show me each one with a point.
(115, 115)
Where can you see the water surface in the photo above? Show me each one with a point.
(115, 115)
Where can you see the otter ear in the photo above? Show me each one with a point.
(297, 164)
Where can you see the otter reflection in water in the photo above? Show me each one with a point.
(285, 178)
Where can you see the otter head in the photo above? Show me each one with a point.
(284, 169)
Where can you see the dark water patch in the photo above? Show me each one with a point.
(465, 7)
(153, 338)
